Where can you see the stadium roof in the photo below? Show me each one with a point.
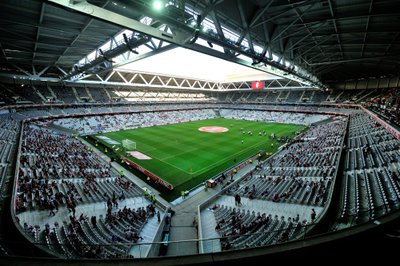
(312, 40)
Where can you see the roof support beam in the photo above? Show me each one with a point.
(117, 19)
(38, 31)
(335, 26)
(245, 25)
(43, 71)
(305, 26)
(317, 44)
(29, 77)
(137, 58)
(353, 60)
(218, 27)
(3, 53)
(360, 14)
(181, 36)
(391, 44)
(326, 68)
(366, 27)
(210, 7)
(260, 13)
(304, 37)
(299, 16)
(20, 35)
(77, 37)
(283, 13)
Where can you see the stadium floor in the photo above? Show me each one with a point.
(184, 155)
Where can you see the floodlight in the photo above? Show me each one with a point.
(158, 5)
(105, 57)
(128, 45)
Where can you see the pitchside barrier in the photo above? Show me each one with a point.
(388, 127)
(241, 165)
(147, 173)
(218, 177)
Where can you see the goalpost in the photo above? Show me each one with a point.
(128, 145)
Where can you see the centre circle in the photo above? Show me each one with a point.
(213, 129)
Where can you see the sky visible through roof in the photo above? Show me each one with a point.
(181, 62)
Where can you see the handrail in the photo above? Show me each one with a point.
(299, 241)
(201, 206)
(66, 105)
(334, 179)
(388, 127)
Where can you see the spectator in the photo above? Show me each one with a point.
(94, 221)
(313, 215)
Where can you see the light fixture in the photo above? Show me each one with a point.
(128, 45)
(158, 5)
(105, 57)
(77, 69)
(197, 30)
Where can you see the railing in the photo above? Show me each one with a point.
(388, 127)
(225, 188)
(110, 104)
(334, 181)
(188, 247)
(365, 216)
(141, 249)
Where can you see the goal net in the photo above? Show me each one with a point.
(129, 145)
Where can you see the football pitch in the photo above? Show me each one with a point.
(185, 156)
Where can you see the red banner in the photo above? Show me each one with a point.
(389, 128)
(257, 85)
(147, 173)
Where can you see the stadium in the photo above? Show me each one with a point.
(199, 132)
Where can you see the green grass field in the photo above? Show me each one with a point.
(184, 156)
